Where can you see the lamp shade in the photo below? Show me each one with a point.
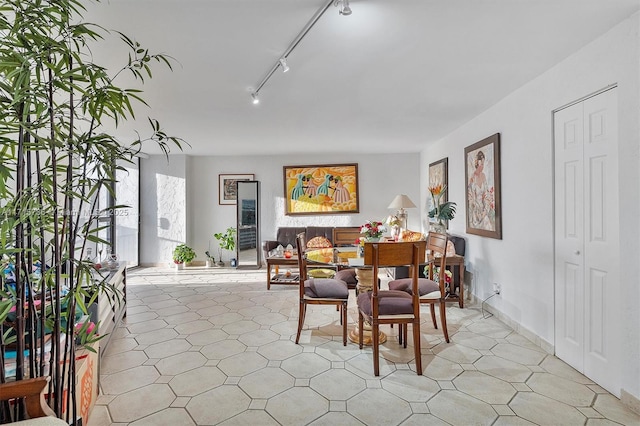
(401, 202)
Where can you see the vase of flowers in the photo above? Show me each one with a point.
(372, 230)
(442, 212)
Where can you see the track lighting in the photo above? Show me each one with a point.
(344, 7)
(283, 64)
(282, 61)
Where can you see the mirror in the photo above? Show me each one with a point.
(248, 213)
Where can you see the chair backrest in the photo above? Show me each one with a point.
(437, 247)
(301, 246)
(388, 254)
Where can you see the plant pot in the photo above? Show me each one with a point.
(179, 266)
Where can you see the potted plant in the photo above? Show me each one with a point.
(183, 254)
(211, 261)
(226, 241)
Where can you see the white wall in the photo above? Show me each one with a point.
(522, 262)
(381, 178)
(163, 207)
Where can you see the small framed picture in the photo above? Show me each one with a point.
(228, 191)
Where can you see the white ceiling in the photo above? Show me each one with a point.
(392, 77)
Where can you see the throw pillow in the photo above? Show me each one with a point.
(407, 235)
(319, 242)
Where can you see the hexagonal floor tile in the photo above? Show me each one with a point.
(259, 337)
(180, 363)
(280, 350)
(503, 369)
(457, 353)
(123, 361)
(305, 365)
(611, 407)
(561, 389)
(128, 380)
(458, 408)
(196, 381)
(438, 368)
(545, 411)
(140, 403)
(229, 402)
(242, 364)
(164, 349)
(297, 406)
(518, 354)
(484, 387)
(363, 407)
(337, 384)
(223, 349)
(266, 382)
(156, 336)
(169, 416)
(206, 337)
(406, 384)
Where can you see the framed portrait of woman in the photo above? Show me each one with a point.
(482, 177)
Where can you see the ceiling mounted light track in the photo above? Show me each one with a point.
(283, 64)
(344, 7)
(282, 61)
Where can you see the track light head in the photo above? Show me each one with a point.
(255, 98)
(283, 64)
(344, 7)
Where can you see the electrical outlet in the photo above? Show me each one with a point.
(496, 288)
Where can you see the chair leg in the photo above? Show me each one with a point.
(375, 336)
(344, 323)
(432, 306)
(301, 314)
(360, 328)
(405, 335)
(416, 346)
(443, 319)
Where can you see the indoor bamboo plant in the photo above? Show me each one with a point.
(56, 157)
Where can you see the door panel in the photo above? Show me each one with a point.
(587, 238)
(569, 290)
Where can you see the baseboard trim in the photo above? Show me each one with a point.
(630, 401)
(516, 326)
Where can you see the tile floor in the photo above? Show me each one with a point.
(209, 347)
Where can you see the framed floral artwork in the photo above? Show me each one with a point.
(438, 177)
(228, 190)
(482, 177)
(321, 189)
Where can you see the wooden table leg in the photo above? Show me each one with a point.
(268, 276)
(461, 272)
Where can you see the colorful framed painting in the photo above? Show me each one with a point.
(228, 190)
(321, 189)
(438, 176)
(482, 177)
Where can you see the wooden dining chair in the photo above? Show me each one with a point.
(33, 391)
(319, 291)
(392, 306)
(431, 292)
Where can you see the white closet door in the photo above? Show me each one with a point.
(587, 240)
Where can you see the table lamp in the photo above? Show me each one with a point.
(402, 202)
